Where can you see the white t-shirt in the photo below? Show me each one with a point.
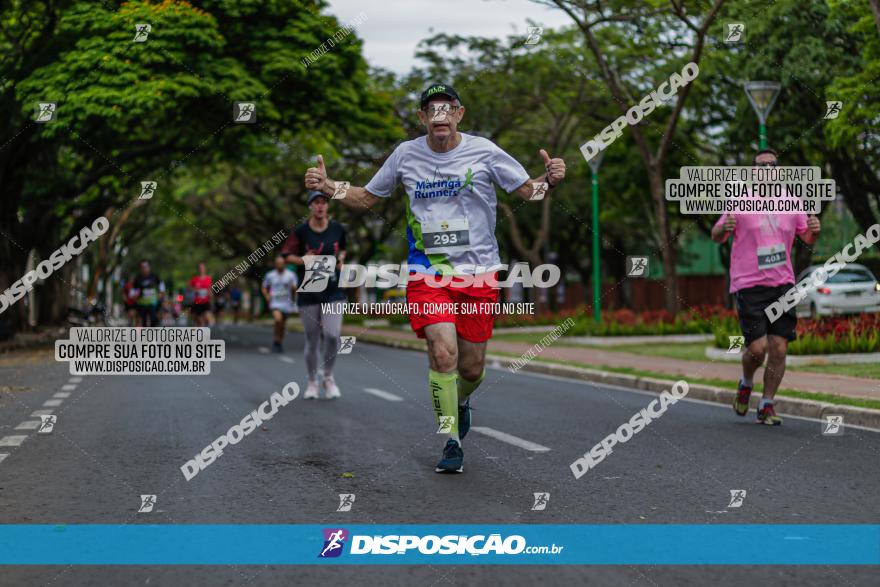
(452, 205)
(279, 284)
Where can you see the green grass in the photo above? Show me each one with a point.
(528, 337)
(691, 351)
(696, 351)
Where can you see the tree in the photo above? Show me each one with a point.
(126, 110)
(625, 38)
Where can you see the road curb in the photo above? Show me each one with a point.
(852, 415)
(784, 405)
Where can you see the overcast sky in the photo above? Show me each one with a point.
(394, 27)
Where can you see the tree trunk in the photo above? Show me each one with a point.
(667, 247)
(875, 8)
(11, 270)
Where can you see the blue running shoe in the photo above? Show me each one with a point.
(464, 418)
(452, 459)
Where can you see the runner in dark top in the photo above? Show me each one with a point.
(319, 236)
(147, 290)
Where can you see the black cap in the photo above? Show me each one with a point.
(438, 89)
(315, 194)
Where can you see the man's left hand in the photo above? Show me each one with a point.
(813, 224)
(555, 168)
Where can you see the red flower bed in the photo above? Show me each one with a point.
(839, 327)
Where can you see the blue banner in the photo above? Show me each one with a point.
(516, 544)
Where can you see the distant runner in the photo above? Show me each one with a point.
(235, 302)
(760, 274)
(220, 305)
(279, 285)
(450, 180)
(319, 235)
(129, 301)
(147, 291)
(200, 285)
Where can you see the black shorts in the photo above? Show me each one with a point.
(148, 315)
(199, 309)
(753, 321)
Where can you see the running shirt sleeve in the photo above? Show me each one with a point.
(267, 282)
(291, 245)
(505, 170)
(388, 176)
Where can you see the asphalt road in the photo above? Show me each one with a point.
(118, 437)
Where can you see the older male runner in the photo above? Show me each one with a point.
(450, 180)
(760, 274)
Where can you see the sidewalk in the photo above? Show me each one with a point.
(596, 358)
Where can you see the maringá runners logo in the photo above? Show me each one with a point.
(444, 186)
(334, 542)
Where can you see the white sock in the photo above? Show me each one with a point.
(745, 382)
(764, 401)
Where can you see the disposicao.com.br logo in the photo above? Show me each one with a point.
(431, 544)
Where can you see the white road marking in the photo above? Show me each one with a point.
(287, 359)
(264, 350)
(510, 439)
(62, 394)
(28, 425)
(3, 456)
(75, 380)
(12, 440)
(68, 387)
(38, 413)
(51, 403)
(383, 394)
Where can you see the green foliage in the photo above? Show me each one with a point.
(162, 110)
(858, 87)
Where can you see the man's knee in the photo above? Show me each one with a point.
(471, 361)
(757, 350)
(778, 348)
(470, 372)
(444, 355)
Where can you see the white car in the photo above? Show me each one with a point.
(852, 290)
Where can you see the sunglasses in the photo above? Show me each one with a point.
(432, 108)
(766, 164)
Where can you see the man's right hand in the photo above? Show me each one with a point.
(729, 223)
(316, 177)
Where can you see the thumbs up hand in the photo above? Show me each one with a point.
(555, 168)
(316, 177)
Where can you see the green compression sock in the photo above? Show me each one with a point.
(466, 388)
(443, 392)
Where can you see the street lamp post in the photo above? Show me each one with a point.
(762, 95)
(595, 162)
